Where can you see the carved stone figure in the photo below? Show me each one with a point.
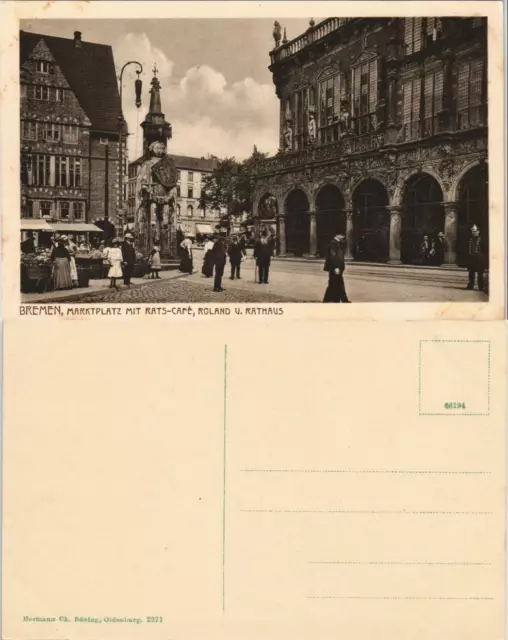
(156, 189)
(288, 136)
(312, 127)
(276, 33)
(345, 125)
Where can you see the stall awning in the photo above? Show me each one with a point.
(203, 228)
(34, 224)
(74, 227)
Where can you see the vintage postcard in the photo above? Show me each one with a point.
(194, 445)
(344, 159)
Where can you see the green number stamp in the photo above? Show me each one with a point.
(455, 405)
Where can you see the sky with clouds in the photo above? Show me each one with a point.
(217, 91)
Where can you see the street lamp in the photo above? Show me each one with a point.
(137, 88)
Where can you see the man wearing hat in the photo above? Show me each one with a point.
(263, 252)
(128, 258)
(477, 259)
(335, 265)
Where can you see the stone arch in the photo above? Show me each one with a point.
(297, 221)
(456, 184)
(423, 217)
(403, 181)
(370, 200)
(472, 197)
(297, 187)
(330, 215)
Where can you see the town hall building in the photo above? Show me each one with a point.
(383, 138)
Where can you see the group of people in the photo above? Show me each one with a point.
(218, 249)
(121, 256)
(215, 254)
(432, 250)
(65, 272)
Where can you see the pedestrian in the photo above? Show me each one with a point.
(477, 259)
(115, 261)
(128, 258)
(71, 248)
(236, 254)
(186, 263)
(263, 251)
(61, 259)
(424, 250)
(155, 262)
(335, 265)
(219, 262)
(207, 268)
(440, 248)
(28, 245)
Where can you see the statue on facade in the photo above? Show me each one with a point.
(312, 126)
(156, 189)
(345, 120)
(288, 136)
(277, 33)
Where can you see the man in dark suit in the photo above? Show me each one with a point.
(477, 260)
(263, 252)
(128, 259)
(335, 265)
(236, 253)
(219, 256)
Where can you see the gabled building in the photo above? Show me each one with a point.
(70, 108)
(383, 137)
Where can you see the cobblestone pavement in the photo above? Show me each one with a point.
(176, 290)
(292, 282)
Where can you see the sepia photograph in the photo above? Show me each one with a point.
(254, 160)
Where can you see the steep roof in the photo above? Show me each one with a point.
(186, 162)
(90, 72)
(198, 164)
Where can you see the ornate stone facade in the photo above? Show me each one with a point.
(388, 123)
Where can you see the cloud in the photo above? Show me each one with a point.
(208, 114)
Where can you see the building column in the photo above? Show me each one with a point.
(282, 235)
(313, 234)
(395, 212)
(451, 228)
(350, 236)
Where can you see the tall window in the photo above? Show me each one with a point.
(178, 191)
(70, 133)
(190, 191)
(42, 66)
(78, 210)
(413, 35)
(301, 109)
(178, 210)
(68, 171)
(433, 102)
(191, 176)
(433, 28)
(411, 109)
(64, 210)
(469, 94)
(45, 208)
(365, 97)
(41, 92)
(190, 211)
(29, 130)
(41, 173)
(51, 132)
(203, 213)
(329, 109)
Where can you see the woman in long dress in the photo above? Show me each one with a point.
(155, 262)
(207, 269)
(71, 248)
(186, 263)
(61, 266)
(115, 260)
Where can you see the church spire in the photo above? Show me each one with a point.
(155, 128)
